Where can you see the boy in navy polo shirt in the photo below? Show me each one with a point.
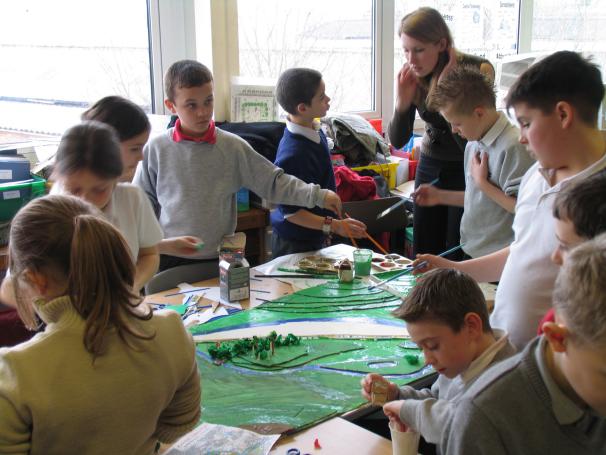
(303, 152)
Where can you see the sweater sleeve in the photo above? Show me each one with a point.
(400, 127)
(427, 417)
(183, 412)
(515, 162)
(146, 178)
(15, 422)
(269, 181)
(470, 432)
(410, 393)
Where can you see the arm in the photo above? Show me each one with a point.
(428, 195)
(180, 246)
(344, 227)
(427, 416)
(183, 412)
(479, 171)
(483, 269)
(145, 178)
(401, 124)
(146, 266)
(15, 431)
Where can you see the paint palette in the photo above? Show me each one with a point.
(318, 264)
(389, 262)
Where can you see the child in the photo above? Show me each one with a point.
(551, 398)
(447, 317)
(88, 165)
(106, 375)
(303, 152)
(580, 214)
(556, 102)
(133, 128)
(494, 161)
(192, 173)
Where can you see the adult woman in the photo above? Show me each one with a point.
(429, 51)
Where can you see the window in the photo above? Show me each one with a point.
(59, 56)
(334, 37)
(480, 27)
(577, 25)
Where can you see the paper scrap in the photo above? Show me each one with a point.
(222, 440)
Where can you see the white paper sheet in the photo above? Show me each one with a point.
(222, 440)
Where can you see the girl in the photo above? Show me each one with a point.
(428, 48)
(88, 165)
(106, 375)
(133, 128)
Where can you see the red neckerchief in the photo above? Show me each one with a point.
(210, 136)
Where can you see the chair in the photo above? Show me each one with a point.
(190, 273)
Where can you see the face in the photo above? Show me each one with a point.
(567, 239)
(585, 370)
(422, 57)
(448, 352)
(319, 103)
(131, 151)
(540, 132)
(88, 186)
(194, 106)
(469, 127)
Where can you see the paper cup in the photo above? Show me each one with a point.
(404, 442)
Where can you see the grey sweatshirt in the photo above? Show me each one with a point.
(192, 185)
(427, 411)
(517, 408)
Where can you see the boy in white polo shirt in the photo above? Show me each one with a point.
(556, 103)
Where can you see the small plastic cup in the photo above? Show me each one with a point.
(362, 260)
(404, 442)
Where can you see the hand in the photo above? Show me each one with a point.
(478, 166)
(349, 226)
(433, 262)
(452, 63)
(406, 83)
(366, 383)
(392, 411)
(182, 246)
(332, 202)
(426, 195)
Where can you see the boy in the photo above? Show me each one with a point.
(192, 173)
(446, 316)
(303, 152)
(551, 398)
(556, 102)
(494, 161)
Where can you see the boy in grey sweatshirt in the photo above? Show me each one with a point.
(446, 316)
(551, 398)
(192, 172)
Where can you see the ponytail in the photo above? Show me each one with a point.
(100, 282)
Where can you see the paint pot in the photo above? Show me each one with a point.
(234, 280)
(362, 261)
(403, 442)
(345, 271)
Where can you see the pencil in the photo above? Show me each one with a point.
(186, 292)
(353, 242)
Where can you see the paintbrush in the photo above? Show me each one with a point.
(419, 266)
(388, 210)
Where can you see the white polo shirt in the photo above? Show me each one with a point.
(524, 292)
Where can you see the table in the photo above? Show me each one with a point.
(336, 436)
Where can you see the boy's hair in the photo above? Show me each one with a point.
(584, 205)
(296, 86)
(463, 89)
(91, 146)
(580, 292)
(185, 74)
(128, 119)
(444, 296)
(64, 237)
(562, 76)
